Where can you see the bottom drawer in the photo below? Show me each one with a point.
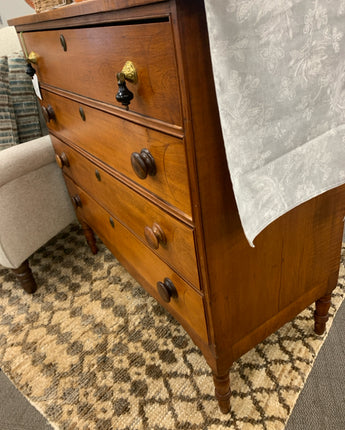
(187, 307)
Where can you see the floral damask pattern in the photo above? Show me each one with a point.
(279, 68)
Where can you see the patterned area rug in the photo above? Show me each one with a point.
(92, 351)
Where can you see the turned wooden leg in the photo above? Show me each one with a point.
(25, 277)
(223, 392)
(321, 313)
(90, 238)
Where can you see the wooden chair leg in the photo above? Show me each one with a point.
(25, 277)
(321, 313)
(90, 237)
(223, 391)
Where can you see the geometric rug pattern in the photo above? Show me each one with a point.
(91, 350)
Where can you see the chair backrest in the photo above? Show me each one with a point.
(9, 42)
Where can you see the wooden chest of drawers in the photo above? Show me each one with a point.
(150, 177)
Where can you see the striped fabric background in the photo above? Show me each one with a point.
(8, 127)
(24, 100)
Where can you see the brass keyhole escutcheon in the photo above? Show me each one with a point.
(98, 175)
(63, 42)
(82, 114)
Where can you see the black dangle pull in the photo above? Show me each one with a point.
(30, 70)
(124, 95)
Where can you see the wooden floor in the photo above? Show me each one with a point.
(320, 405)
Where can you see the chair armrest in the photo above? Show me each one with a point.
(21, 159)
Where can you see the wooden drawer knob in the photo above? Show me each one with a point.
(143, 164)
(62, 160)
(167, 290)
(76, 200)
(155, 236)
(48, 113)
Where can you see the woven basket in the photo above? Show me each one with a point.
(43, 5)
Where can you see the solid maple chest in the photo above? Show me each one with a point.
(128, 95)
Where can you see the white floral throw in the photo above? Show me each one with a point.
(279, 68)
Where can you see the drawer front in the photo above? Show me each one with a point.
(172, 240)
(114, 140)
(143, 264)
(95, 55)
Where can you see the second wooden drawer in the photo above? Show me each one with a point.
(115, 140)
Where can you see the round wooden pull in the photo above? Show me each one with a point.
(76, 200)
(143, 164)
(167, 290)
(62, 160)
(48, 113)
(155, 236)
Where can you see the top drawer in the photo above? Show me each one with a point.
(95, 55)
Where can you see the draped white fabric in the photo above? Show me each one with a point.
(279, 68)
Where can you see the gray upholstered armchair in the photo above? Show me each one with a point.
(34, 203)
